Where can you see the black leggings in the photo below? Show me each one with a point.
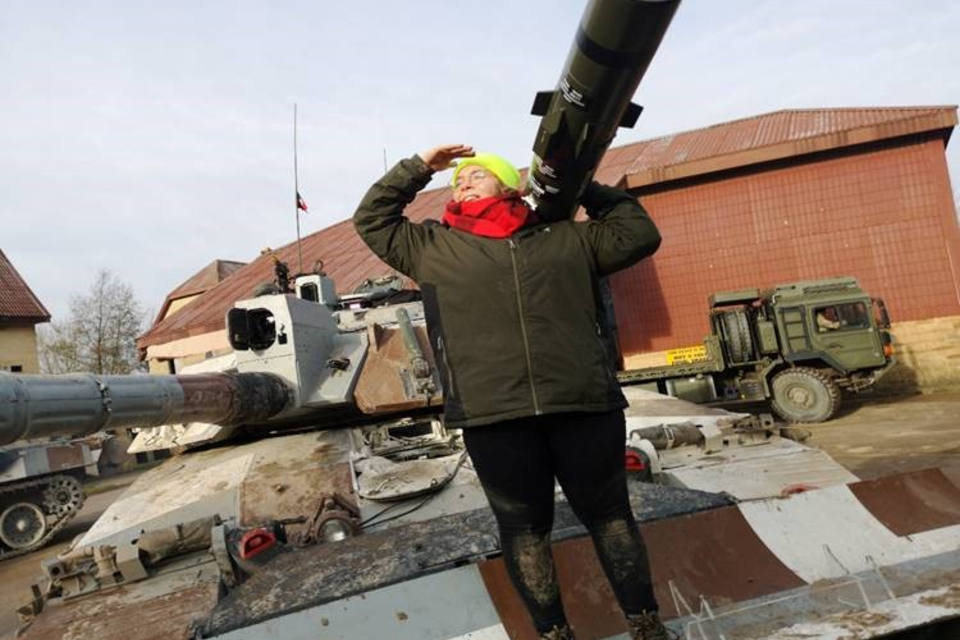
(517, 462)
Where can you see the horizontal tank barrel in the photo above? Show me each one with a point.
(40, 406)
(615, 42)
(670, 436)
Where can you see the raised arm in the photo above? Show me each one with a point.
(620, 230)
(379, 219)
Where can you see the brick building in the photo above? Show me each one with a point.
(798, 195)
(20, 312)
(790, 195)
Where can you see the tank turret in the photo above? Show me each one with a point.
(296, 362)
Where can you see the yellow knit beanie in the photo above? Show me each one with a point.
(505, 172)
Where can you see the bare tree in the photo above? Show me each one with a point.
(99, 336)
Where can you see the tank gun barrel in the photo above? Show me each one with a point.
(41, 406)
(613, 47)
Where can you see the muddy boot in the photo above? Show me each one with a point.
(558, 633)
(647, 626)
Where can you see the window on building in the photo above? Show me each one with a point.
(842, 317)
(16, 368)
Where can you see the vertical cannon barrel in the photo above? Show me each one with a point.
(615, 42)
(419, 367)
(418, 363)
(41, 406)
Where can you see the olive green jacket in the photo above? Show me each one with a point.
(514, 323)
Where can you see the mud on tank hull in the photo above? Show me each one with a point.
(244, 553)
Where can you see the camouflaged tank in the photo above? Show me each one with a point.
(317, 494)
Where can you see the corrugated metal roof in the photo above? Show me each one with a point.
(348, 261)
(17, 302)
(206, 278)
(774, 136)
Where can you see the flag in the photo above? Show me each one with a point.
(301, 203)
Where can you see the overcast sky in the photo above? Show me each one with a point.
(149, 138)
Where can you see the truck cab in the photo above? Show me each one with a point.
(805, 342)
(831, 323)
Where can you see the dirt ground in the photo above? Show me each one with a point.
(872, 437)
(875, 437)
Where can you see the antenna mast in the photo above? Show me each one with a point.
(296, 190)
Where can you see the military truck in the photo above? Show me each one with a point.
(799, 345)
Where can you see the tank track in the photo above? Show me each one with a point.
(35, 488)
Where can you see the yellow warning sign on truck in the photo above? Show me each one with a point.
(687, 355)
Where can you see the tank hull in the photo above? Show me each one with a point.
(426, 563)
(761, 566)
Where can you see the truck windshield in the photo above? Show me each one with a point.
(842, 317)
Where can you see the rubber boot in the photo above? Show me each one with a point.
(558, 633)
(647, 626)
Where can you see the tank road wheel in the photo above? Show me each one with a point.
(22, 525)
(804, 395)
(63, 495)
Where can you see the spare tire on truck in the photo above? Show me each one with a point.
(739, 342)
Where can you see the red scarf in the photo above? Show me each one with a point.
(494, 217)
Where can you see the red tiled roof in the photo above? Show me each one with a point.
(348, 261)
(17, 302)
(203, 280)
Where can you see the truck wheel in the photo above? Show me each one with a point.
(804, 395)
(739, 343)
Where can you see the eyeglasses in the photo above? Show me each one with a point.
(470, 178)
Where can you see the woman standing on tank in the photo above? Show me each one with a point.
(512, 310)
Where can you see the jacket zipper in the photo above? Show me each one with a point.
(523, 325)
(449, 371)
(611, 374)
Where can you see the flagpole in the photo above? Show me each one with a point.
(296, 189)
